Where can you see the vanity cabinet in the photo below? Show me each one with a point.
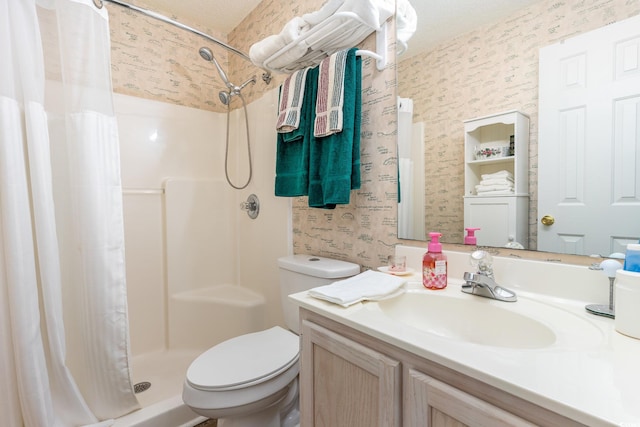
(344, 383)
(352, 379)
(501, 219)
(436, 404)
(492, 144)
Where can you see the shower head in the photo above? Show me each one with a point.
(225, 97)
(207, 55)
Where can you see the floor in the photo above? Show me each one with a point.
(165, 370)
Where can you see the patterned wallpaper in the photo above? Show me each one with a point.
(488, 70)
(364, 231)
(154, 60)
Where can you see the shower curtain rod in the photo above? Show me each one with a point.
(266, 76)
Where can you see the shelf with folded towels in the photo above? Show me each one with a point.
(492, 161)
(492, 134)
(340, 31)
(496, 197)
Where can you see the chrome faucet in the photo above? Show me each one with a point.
(485, 286)
(482, 282)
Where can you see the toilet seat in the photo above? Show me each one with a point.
(257, 357)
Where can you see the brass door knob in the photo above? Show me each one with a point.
(547, 220)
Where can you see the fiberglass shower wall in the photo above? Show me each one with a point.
(160, 141)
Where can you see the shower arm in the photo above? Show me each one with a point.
(266, 76)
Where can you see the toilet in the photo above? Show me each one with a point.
(252, 379)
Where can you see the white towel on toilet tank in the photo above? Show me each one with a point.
(370, 285)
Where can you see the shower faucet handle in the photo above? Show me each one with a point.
(252, 206)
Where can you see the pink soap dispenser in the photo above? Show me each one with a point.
(470, 238)
(434, 264)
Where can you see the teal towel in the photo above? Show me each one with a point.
(334, 160)
(292, 151)
(357, 112)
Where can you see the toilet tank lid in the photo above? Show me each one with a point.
(316, 266)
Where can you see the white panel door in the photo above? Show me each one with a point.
(589, 142)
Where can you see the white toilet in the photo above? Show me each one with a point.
(252, 380)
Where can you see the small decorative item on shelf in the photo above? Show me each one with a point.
(490, 152)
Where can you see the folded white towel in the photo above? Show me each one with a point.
(260, 51)
(499, 174)
(293, 29)
(372, 12)
(325, 11)
(497, 181)
(316, 46)
(483, 188)
(370, 285)
(406, 21)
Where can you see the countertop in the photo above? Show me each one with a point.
(590, 374)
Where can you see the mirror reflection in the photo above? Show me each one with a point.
(411, 205)
(492, 68)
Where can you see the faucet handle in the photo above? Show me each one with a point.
(610, 266)
(482, 261)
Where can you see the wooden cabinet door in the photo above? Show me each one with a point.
(345, 384)
(501, 219)
(432, 403)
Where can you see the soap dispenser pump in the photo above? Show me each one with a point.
(470, 238)
(434, 264)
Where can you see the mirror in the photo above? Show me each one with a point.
(486, 69)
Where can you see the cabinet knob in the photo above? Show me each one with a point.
(547, 220)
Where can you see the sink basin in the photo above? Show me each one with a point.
(471, 319)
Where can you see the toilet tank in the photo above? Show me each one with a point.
(302, 272)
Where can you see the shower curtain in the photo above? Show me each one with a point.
(64, 347)
(405, 166)
(411, 211)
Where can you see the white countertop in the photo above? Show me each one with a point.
(590, 374)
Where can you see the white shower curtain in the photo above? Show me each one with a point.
(64, 346)
(411, 209)
(405, 167)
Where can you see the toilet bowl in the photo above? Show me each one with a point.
(244, 375)
(252, 379)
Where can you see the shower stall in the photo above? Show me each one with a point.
(196, 272)
(199, 270)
